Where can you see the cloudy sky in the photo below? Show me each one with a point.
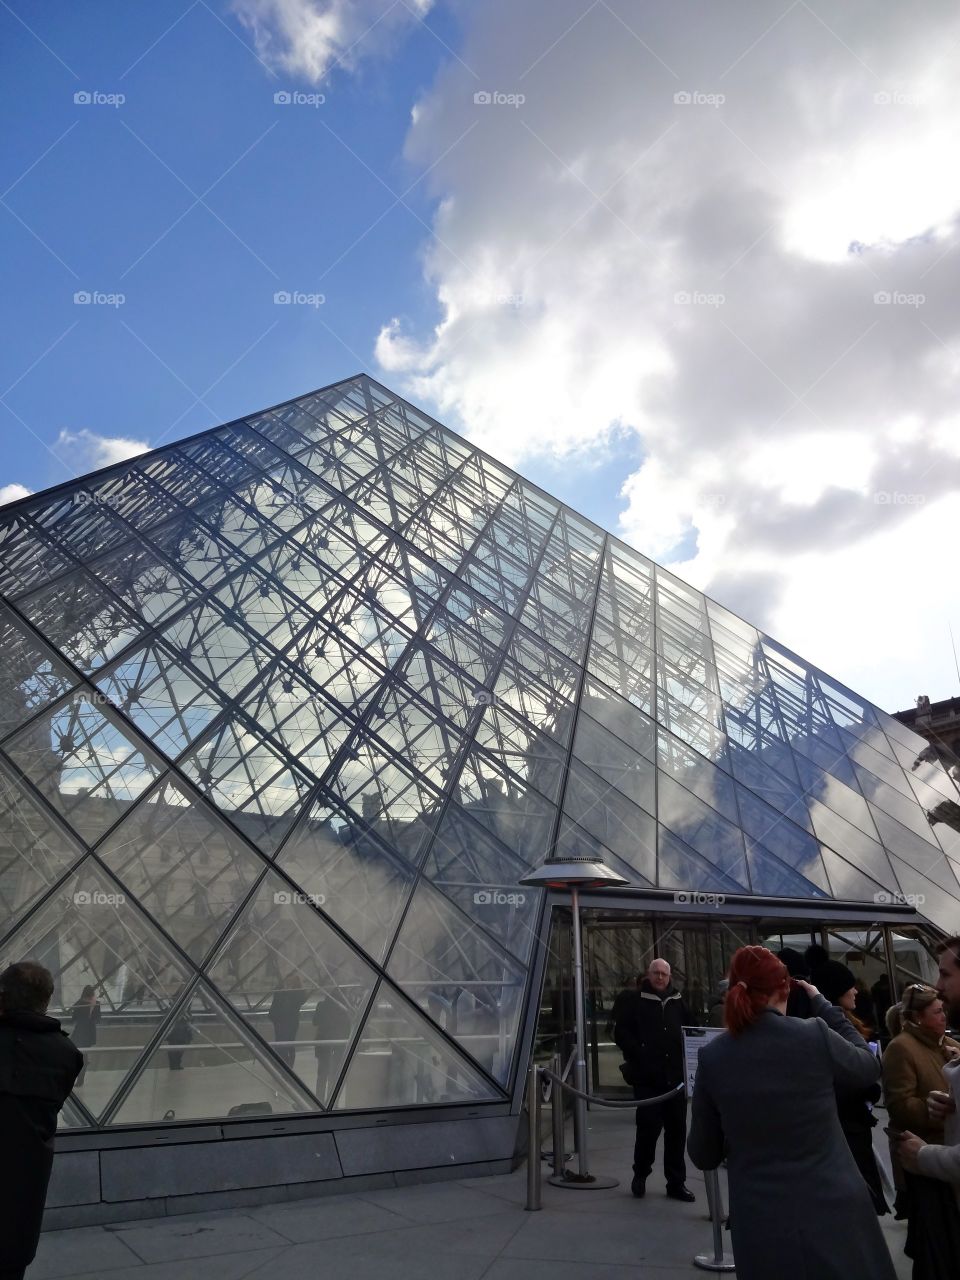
(691, 267)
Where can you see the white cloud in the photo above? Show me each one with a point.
(310, 37)
(11, 492)
(84, 450)
(607, 257)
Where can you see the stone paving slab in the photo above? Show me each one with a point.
(327, 1219)
(198, 1236)
(69, 1253)
(233, 1266)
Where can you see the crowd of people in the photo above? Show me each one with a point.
(787, 1100)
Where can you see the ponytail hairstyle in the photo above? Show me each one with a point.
(858, 1025)
(916, 997)
(755, 974)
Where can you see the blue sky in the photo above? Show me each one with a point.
(301, 183)
(110, 200)
(607, 240)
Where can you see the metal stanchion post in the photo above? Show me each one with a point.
(533, 1138)
(720, 1261)
(556, 1115)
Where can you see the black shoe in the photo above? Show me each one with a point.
(681, 1193)
(638, 1186)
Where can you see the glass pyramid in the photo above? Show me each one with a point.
(287, 710)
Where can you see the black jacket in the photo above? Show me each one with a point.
(38, 1065)
(647, 1030)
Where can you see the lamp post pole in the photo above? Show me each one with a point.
(580, 1063)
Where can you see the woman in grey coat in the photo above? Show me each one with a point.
(764, 1100)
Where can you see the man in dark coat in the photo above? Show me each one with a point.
(647, 1030)
(285, 1015)
(38, 1066)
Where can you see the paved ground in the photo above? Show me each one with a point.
(472, 1229)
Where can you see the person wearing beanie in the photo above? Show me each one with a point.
(798, 1002)
(839, 986)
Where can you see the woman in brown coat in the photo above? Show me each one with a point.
(913, 1066)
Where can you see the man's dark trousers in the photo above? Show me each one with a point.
(669, 1118)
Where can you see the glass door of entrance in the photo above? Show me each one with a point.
(618, 952)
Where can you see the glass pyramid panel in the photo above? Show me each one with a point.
(31, 676)
(481, 876)
(79, 526)
(240, 772)
(298, 717)
(144, 581)
(628, 772)
(294, 981)
(168, 704)
(114, 975)
(611, 818)
(520, 817)
(34, 851)
(337, 636)
(27, 559)
(88, 768)
(388, 796)
(362, 883)
(186, 869)
(208, 1066)
(467, 984)
(266, 611)
(401, 1061)
(81, 619)
(195, 550)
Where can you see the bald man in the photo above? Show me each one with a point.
(647, 1030)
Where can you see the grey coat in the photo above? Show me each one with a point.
(799, 1207)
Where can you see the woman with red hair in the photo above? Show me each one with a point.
(764, 1100)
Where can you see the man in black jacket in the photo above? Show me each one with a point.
(647, 1030)
(38, 1065)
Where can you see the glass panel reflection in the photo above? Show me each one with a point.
(182, 865)
(30, 675)
(34, 852)
(247, 779)
(294, 981)
(476, 872)
(467, 985)
(702, 829)
(81, 619)
(516, 814)
(26, 558)
(85, 765)
(401, 1061)
(168, 705)
(208, 1066)
(115, 976)
(362, 883)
